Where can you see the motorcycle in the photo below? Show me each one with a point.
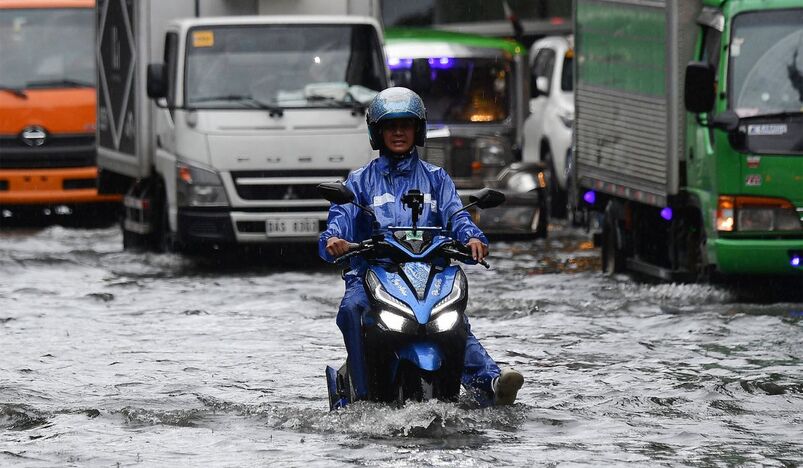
(414, 334)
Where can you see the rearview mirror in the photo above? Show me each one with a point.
(728, 121)
(336, 193)
(157, 81)
(487, 198)
(700, 94)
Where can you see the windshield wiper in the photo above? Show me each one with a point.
(20, 93)
(250, 100)
(351, 103)
(67, 82)
(774, 115)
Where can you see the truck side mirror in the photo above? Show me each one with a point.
(699, 85)
(539, 86)
(157, 81)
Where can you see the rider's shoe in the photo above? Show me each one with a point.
(506, 386)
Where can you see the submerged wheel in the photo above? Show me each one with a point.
(540, 221)
(162, 238)
(613, 257)
(413, 385)
(557, 196)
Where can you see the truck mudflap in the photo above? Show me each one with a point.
(759, 256)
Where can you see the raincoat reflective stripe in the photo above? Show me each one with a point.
(381, 184)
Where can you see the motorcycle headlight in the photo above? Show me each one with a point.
(393, 322)
(756, 214)
(492, 152)
(196, 186)
(457, 293)
(444, 321)
(378, 292)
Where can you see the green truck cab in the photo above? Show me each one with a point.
(689, 134)
(476, 90)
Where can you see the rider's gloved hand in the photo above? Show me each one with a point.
(478, 250)
(336, 246)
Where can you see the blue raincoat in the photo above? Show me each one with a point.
(381, 184)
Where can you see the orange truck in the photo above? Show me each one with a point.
(47, 110)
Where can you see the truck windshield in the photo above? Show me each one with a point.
(47, 48)
(766, 62)
(291, 66)
(457, 90)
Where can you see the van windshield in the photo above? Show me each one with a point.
(47, 48)
(766, 62)
(457, 90)
(282, 65)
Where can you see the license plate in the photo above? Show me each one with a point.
(291, 226)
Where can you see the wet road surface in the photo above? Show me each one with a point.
(115, 358)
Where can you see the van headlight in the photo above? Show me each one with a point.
(199, 187)
(492, 152)
(566, 118)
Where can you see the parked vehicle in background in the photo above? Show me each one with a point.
(47, 110)
(719, 189)
(238, 120)
(474, 88)
(548, 129)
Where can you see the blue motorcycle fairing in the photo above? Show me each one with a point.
(424, 355)
(440, 285)
(436, 243)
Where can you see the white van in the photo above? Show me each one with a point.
(548, 130)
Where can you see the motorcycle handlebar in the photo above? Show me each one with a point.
(461, 252)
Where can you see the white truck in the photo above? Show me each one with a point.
(217, 119)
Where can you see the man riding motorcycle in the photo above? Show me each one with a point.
(396, 125)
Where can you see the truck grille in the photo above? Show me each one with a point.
(57, 151)
(283, 185)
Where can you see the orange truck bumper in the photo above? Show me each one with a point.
(51, 187)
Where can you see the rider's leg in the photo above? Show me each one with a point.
(479, 369)
(491, 385)
(349, 320)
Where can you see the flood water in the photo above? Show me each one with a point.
(111, 358)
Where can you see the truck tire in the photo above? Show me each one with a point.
(613, 256)
(163, 240)
(557, 196)
(692, 239)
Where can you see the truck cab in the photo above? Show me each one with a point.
(247, 114)
(475, 91)
(47, 109)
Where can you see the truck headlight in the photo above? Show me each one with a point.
(196, 187)
(492, 152)
(745, 213)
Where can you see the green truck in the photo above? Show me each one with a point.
(688, 134)
(476, 90)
